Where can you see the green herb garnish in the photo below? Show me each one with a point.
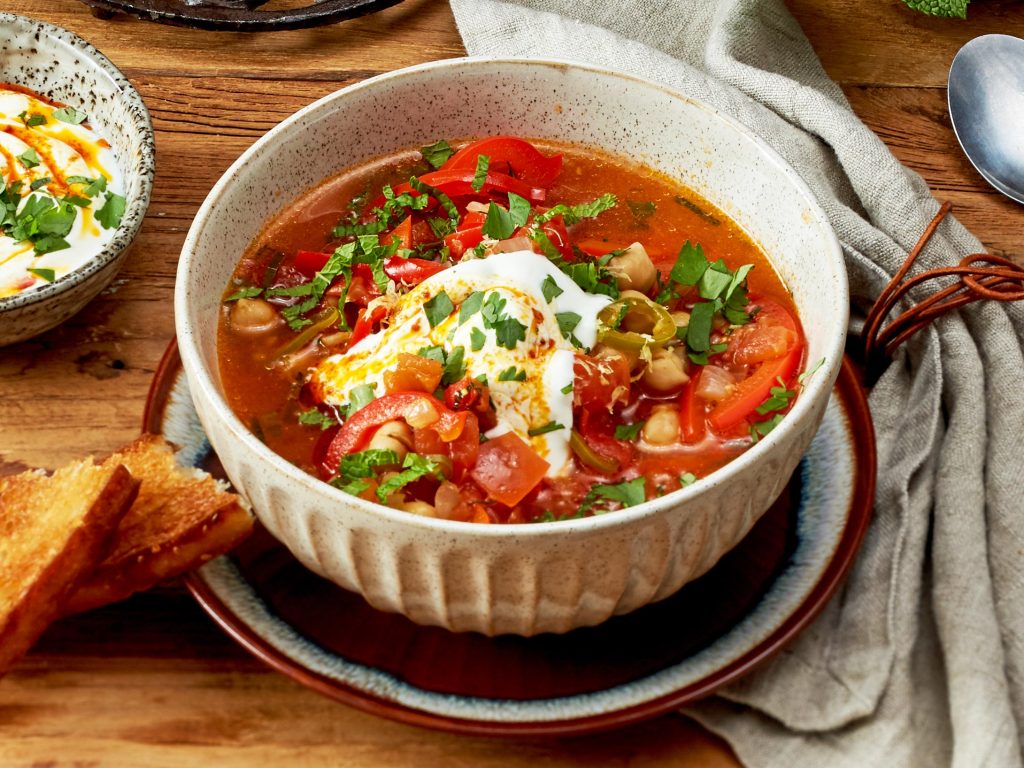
(551, 426)
(628, 431)
(438, 309)
(438, 153)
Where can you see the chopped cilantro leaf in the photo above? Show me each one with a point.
(247, 292)
(437, 154)
(111, 212)
(810, 371)
(551, 426)
(480, 177)
(29, 158)
(477, 339)
(43, 273)
(442, 199)
(360, 396)
(39, 183)
(715, 280)
(302, 289)
(687, 478)
(550, 289)
(433, 353)
(628, 431)
(438, 309)
(512, 374)
(701, 358)
(762, 428)
(32, 121)
(70, 115)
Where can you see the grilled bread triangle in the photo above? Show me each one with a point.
(53, 532)
(181, 518)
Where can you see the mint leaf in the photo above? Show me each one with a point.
(690, 264)
(454, 366)
(573, 214)
(498, 225)
(518, 209)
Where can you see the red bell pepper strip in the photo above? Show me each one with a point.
(355, 432)
(310, 262)
(691, 410)
(460, 184)
(754, 390)
(508, 469)
(525, 160)
(410, 271)
(460, 242)
(365, 322)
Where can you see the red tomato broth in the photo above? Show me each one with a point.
(270, 398)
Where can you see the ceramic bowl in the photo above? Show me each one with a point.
(61, 66)
(526, 579)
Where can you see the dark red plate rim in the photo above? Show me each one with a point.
(854, 399)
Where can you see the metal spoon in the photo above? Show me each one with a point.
(986, 105)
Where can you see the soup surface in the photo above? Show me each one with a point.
(516, 331)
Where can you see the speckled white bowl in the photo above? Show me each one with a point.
(63, 67)
(548, 577)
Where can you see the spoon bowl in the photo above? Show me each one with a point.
(986, 106)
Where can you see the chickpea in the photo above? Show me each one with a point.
(253, 316)
(666, 371)
(633, 268)
(393, 436)
(680, 318)
(418, 508)
(631, 358)
(662, 426)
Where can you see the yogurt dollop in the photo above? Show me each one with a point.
(62, 194)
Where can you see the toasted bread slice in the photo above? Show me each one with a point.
(53, 532)
(181, 519)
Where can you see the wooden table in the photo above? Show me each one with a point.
(152, 682)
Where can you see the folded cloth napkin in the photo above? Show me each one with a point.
(919, 660)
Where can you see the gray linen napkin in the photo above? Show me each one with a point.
(919, 660)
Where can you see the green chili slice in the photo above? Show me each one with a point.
(321, 322)
(664, 327)
(590, 457)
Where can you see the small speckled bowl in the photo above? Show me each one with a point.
(523, 579)
(61, 66)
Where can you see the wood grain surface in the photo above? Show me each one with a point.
(152, 682)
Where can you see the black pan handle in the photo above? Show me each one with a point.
(239, 15)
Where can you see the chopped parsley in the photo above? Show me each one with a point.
(31, 121)
(40, 183)
(477, 339)
(454, 366)
(518, 209)
(360, 396)
(628, 493)
(762, 428)
(70, 115)
(687, 478)
(628, 431)
(702, 358)
(413, 468)
(567, 322)
(573, 214)
(779, 398)
(512, 374)
(438, 309)
(317, 418)
(550, 289)
(470, 306)
(641, 210)
(112, 211)
(29, 158)
(43, 273)
(438, 153)
(551, 426)
(248, 292)
(480, 177)
(567, 388)
(698, 332)
(354, 467)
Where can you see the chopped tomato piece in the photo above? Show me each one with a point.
(601, 382)
(598, 430)
(508, 469)
(466, 447)
(460, 242)
(366, 322)
(524, 160)
(754, 390)
(414, 373)
(402, 233)
(310, 262)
